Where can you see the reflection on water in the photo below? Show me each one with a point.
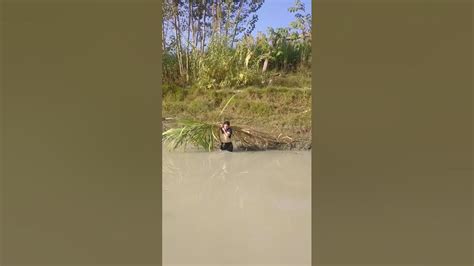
(242, 208)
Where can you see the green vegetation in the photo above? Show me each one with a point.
(277, 111)
(205, 135)
(211, 56)
(199, 134)
(210, 44)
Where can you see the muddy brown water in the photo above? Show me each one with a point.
(240, 208)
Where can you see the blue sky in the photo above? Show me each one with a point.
(274, 13)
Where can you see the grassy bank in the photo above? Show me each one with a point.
(281, 106)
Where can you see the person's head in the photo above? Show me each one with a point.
(226, 124)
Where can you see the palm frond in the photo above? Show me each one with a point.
(252, 139)
(191, 132)
(205, 135)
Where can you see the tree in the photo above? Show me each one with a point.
(303, 21)
(190, 25)
(202, 20)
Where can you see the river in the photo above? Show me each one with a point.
(241, 208)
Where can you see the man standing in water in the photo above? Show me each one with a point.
(226, 134)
